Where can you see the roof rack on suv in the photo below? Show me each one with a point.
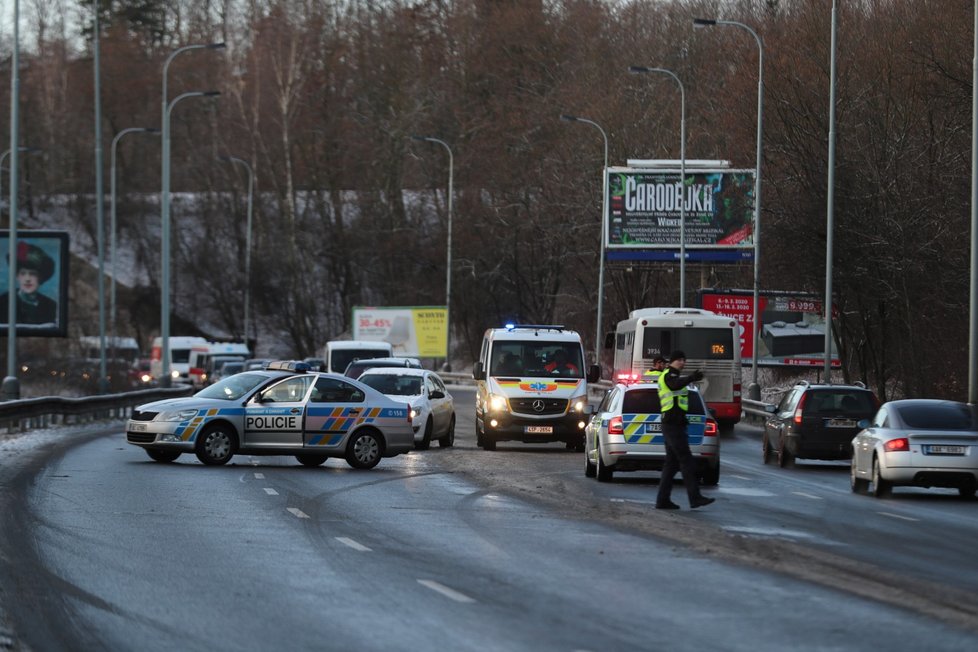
(539, 327)
(803, 382)
(289, 365)
(859, 383)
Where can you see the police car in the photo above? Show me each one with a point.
(626, 433)
(283, 409)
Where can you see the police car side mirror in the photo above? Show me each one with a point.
(478, 371)
(593, 373)
(437, 393)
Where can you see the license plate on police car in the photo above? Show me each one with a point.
(137, 427)
(538, 430)
(942, 449)
(841, 423)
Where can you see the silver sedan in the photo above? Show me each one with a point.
(917, 442)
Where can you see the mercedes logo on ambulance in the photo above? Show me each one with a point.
(538, 405)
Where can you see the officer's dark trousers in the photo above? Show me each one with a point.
(678, 458)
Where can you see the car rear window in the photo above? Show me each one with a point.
(646, 401)
(840, 402)
(941, 416)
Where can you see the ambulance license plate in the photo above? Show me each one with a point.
(538, 430)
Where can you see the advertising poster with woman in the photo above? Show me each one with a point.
(39, 284)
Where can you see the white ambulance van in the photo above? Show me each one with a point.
(532, 386)
(180, 348)
(340, 353)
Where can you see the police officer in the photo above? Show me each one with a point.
(658, 365)
(674, 397)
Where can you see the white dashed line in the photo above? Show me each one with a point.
(802, 493)
(298, 513)
(259, 476)
(270, 491)
(902, 518)
(353, 544)
(451, 594)
(739, 477)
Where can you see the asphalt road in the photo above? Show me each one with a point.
(100, 548)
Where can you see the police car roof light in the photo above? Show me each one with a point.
(288, 365)
(539, 327)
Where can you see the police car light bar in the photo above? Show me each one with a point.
(539, 327)
(626, 379)
(289, 365)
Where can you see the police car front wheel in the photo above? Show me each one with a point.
(308, 459)
(365, 449)
(162, 456)
(216, 445)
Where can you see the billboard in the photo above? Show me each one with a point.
(792, 328)
(40, 283)
(414, 331)
(644, 209)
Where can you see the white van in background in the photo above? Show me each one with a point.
(119, 349)
(340, 353)
(205, 359)
(180, 348)
(532, 386)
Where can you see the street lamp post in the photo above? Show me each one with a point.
(103, 380)
(251, 185)
(165, 208)
(682, 175)
(112, 224)
(604, 213)
(448, 264)
(830, 210)
(10, 389)
(3, 157)
(973, 303)
(754, 391)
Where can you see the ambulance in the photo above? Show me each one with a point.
(532, 386)
(180, 348)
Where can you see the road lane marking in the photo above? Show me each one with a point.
(298, 513)
(745, 491)
(353, 544)
(904, 518)
(739, 477)
(807, 495)
(259, 476)
(451, 594)
(270, 491)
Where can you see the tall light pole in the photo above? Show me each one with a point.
(165, 210)
(754, 390)
(973, 310)
(448, 264)
(830, 210)
(103, 380)
(112, 223)
(682, 176)
(604, 215)
(251, 186)
(10, 389)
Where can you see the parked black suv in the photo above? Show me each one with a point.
(817, 422)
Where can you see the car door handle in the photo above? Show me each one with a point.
(296, 410)
(355, 411)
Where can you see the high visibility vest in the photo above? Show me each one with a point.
(652, 376)
(668, 397)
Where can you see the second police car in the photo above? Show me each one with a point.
(625, 434)
(282, 409)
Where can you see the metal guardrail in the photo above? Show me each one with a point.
(40, 412)
(755, 410)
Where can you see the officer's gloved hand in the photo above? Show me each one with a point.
(697, 375)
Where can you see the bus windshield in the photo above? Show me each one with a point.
(537, 359)
(696, 343)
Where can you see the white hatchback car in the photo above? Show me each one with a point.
(432, 407)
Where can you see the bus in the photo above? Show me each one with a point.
(710, 341)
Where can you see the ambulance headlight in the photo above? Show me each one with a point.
(177, 415)
(497, 403)
(579, 405)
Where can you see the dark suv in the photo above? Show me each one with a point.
(816, 422)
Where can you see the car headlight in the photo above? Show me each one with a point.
(174, 374)
(177, 415)
(415, 412)
(145, 378)
(497, 403)
(579, 405)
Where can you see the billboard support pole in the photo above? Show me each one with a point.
(830, 217)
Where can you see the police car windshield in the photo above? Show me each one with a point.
(646, 401)
(394, 385)
(232, 387)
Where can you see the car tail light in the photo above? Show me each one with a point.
(894, 445)
(615, 426)
(711, 428)
(801, 404)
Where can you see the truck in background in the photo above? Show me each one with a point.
(338, 354)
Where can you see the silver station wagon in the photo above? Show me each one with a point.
(283, 409)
